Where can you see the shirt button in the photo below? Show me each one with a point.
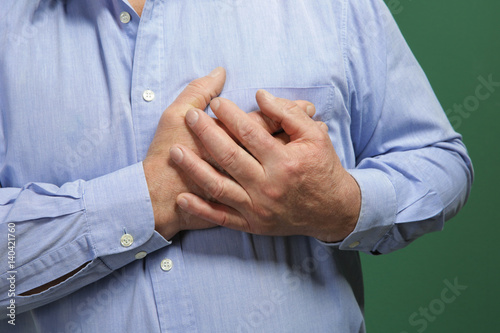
(148, 95)
(124, 17)
(126, 240)
(140, 255)
(166, 264)
(354, 244)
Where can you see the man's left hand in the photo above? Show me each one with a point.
(274, 188)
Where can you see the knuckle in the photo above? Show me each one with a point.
(229, 158)
(189, 166)
(216, 189)
(267, 215)
(224, 220)
(274, 194)
(291, 166)
(247, 132)
(202, 131)
(288, 106)
(200, 93)
(266, 224)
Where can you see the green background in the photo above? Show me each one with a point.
(455, 42)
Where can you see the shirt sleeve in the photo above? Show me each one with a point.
(58, 229)
(412, 167)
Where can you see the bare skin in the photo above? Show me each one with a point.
(138, 5)
(165, 179)
(297, 188)
(281, 217)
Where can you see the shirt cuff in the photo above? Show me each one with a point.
(120, 217)
(377, 214)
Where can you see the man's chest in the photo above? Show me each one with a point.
(80, 80)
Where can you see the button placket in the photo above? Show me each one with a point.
(147, 73)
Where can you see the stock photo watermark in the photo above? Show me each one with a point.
(396, 6)
(484, 90)
(29, 30)
(265, 308)
(11, 273)
(425, 315)
(373, 27)
(91, 139)
(118, 282)
(228, 5)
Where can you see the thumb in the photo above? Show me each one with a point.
(199, 92)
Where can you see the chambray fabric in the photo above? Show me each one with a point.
(74, 129)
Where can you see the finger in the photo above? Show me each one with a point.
(213, 184)
(225, 151)
(216, 213)
(307, 106)
(323, 126)
(282, 137)
(272, 126)
(192, 222)
(198, 93)
(252, 136)
(294, 121)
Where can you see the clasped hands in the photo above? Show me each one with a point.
(293, 184)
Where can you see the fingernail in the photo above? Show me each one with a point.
(216, 72)
(183, 203)
(267, 94)
(310, 110)
(176, 154)
(192, 117)
(214, 104)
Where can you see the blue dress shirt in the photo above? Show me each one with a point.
(83, 84)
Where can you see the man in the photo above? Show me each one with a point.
(114, 214)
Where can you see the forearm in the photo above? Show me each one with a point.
(409, 193)
(412, 167)
(59, 230)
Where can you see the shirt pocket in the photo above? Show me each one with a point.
(330, 109)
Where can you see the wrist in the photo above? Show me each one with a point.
(163, 209)
(344, 218)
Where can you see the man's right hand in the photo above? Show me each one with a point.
(164, 178)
